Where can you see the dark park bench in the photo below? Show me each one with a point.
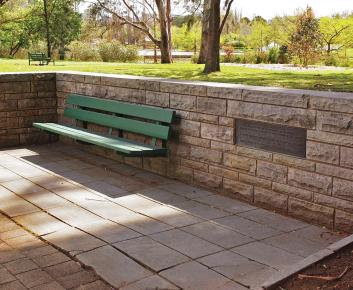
(40, 57)
(118, 117)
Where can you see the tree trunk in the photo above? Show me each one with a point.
(164, 42)
(46, 19)
(204, 35)
(169, 26)
(213, 39)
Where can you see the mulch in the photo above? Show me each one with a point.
(339, 264)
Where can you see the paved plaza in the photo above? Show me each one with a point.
(73, 220)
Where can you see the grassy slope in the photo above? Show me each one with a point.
(317, 80)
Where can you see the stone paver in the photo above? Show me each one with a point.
(109, 232)
(266, 254)
(109, 264)
(135, 229)
(186, 243)
(218, 235)
(151, 253)
(74, 241)
(273, 220)
(247, 227)
(152, 282)
(194, 276)
(238, 268)
(40, 223)
(41, 268)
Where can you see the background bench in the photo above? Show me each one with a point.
(40, 57)
(117, 116)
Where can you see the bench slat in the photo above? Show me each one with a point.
(148, 129)
(134, 110)
(118, 144)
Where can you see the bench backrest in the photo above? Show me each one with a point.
(149, 121)
(36, 56)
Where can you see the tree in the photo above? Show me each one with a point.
(336, 32)
(305, 41)
(158, 10)
(58, 23)
(204, 32)
(215, 27)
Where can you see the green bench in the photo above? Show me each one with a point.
(152, 122)
(40, 57)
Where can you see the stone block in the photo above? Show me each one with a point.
(342, 189)
(207, 179)
(65, 86)
(190, 128)
(195, 165)
(157, 99)
(331, 138)
(36, 103)
(294, 162)
(195, 141)
(131, 82)
(326, 153)
(92, 79)
(224, 91)
(292, 191)
(213, 106)
(43, 86)
(343, 221)
(240, 163)
(310, 181)
(205, 155)
(331, 170)
(269, 96)
(70, 77)
(225, 121)
(217, 133)
(334, 202)
(239, 189)
(183, 102)
(337, 102)
(270, 199)
(295, 117)
(254, 153)
(313, 213)
(125, 94)
(205, 118)
(272, 171)
(224, 147)
(335, 122)
(346, 157)
(15, 87)
(220, 171)
(183, 87)
(8, 105)
(255, 180)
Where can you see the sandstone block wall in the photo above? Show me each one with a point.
(318, 188)
(25, 98)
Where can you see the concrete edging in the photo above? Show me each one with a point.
(305, 263)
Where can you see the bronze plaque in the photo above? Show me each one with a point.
(271, 137)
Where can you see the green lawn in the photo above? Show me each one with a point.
(317, 80)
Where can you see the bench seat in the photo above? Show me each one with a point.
(124, 146)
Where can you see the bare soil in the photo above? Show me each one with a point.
(332, 266)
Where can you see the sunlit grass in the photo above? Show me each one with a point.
(316, 80)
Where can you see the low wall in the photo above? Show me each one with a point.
(25, 98)
(203, 148)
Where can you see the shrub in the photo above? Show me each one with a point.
(83, 51)
(261, 57)
(283, 55)
(331, 60)
(273, 55)
(195, 58)
(115, 51)
(229, 51)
